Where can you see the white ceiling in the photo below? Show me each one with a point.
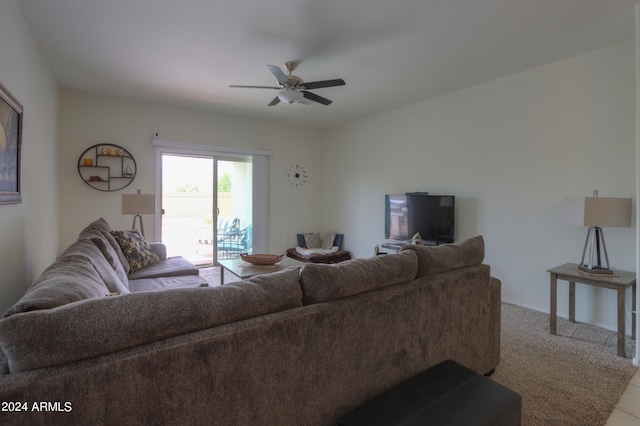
(390, 53)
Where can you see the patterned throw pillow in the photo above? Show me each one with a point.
(313, 240)
(328, 239)
(136, 249)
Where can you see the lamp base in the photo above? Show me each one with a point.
(133, 226)
(594, 248)
(596, 270)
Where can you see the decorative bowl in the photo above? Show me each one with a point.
(261, 259)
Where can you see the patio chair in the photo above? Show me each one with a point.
(235, 243)
(226, 226)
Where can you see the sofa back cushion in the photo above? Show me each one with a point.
(101, 229)
(91, 251)
(68, 280)
(447, 257)
(81, 272)
(112, 258)
(322, 282)
(95, 327)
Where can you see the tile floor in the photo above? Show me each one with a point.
(627, 411)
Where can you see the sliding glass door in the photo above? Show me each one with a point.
(234, 224)
(206, 206)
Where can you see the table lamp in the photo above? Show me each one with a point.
(597, 213)
(138, 204)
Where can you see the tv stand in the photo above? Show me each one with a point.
(397, 245)
(392, 246)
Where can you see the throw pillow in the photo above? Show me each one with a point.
(136, 249)
(417, 239)
(328, 239)
(313, 240)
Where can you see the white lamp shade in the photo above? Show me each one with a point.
(290, 96)
(138, 203)
(598, 212)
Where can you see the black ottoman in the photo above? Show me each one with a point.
(445, 394)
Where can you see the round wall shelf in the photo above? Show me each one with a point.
(107, 167)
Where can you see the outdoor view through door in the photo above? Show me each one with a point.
(207, 204)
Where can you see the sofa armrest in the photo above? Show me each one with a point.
(160, 249)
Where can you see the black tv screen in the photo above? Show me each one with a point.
(432, 216)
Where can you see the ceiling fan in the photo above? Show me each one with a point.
(293, 89)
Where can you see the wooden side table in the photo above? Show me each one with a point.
(620, 282)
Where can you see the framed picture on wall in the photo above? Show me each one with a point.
(10, 143)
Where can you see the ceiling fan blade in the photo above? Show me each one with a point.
(316, 98)
(279, 75)
(323, 83)
(275, 101)
(254, 87)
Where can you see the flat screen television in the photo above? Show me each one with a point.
(418, 212)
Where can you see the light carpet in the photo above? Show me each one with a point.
(573, 378)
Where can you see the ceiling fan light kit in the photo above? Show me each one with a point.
(293, 89)
(290, 96)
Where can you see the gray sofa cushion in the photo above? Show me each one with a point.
(95, 327)
(167, 283)
(70, 279)
(447, 257)
(90, 252)
(101, 229)
(322, 282)
(96, 278)
(112, 258)
(172, 267)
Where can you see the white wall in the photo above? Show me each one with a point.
(510, 150)
(86, 120)
(29, 229)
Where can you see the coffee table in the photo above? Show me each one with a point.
(243, 270)
(619, 282)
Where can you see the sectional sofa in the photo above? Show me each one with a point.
(300, 346)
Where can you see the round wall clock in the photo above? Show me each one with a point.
(297, 175)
